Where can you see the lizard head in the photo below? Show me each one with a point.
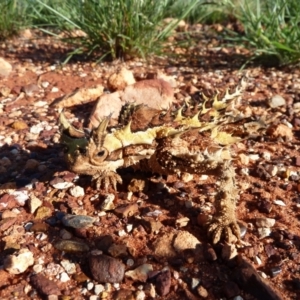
(83, 149)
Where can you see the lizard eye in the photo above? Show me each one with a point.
(101, 153)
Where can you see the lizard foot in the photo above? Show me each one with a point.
(106, 178)
(222, 225)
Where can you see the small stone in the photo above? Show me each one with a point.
(121, 79)
(34, 203)
(4, 91)
(279, 202)
(163, 245)
(154, 214)
(19, 262)
(129, 228)
(54, 89)
(39, 227)
(266, 155)
(5, 68)
(253, 157)
(297, 161)
(182, 222)
(127, 210)
(272, 170)
(163, 283)
(106, 269)
(68, 266)
(41, 236)
(21, 197)
(19, 125)
(244, 159)
(277, 101)
(195, 282)
(140, 273)
(64, 277)
(189, 204)
(43, 285)
(36, 129)
(80, 278)
(71, 246)
(43, 212)
(108, 203)
(99, 288)
(137, 185)
(150, 289)
(185, 240)
(45, 84)
(265, 222)
(257, 260)
(140, 295)
(275, 271)
(78, 221)
(243, 230)
(76, 191)
(60, 184)
(269, 250)
(122, 233)
(53, 269)
(90, 286)
(263, 232)
(280, 130)
(9, 214)
(38, 268)
(15, 114)
(80, 96)
(186, 177)
(7, 223)
(202, 292)
(265, 206)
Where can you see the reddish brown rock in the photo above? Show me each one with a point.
(106, 269)
(163, 283)
(156, 93)
(44, 285)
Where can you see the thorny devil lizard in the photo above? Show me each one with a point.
(194, 139)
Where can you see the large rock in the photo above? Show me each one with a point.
(156, 93)
(79, 96)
